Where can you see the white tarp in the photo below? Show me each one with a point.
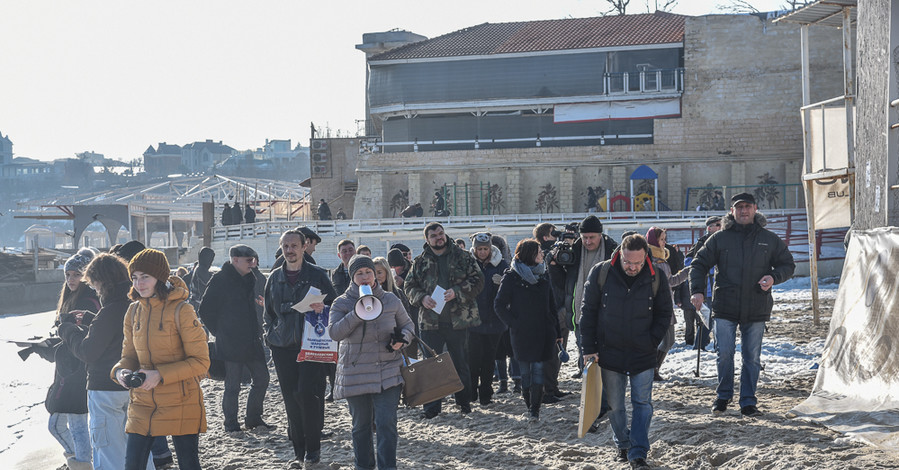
(857, 388)
(613, 110)
(832, 202)
(828, 147)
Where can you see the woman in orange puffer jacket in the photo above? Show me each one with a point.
(165, 342)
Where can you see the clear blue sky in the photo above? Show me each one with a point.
(115, 77)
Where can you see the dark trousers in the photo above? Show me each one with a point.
(303, 389)
(692, 325)
(481, 354)
(456, 343)
(137, 451)
(233, 374)
(552, 367)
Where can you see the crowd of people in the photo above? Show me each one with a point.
(136, 341)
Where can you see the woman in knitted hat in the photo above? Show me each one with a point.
(369, 361)
(164, 356)
(67, 398)
(657, 238)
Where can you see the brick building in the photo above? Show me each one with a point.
(556, 107)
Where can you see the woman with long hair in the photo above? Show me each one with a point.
(661, 257)
(368, 364)
(524, 302)
(67, 397)
(99, 344)
(164, 355)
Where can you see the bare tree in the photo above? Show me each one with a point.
(660, 5)
(619, 7)
(746, 6)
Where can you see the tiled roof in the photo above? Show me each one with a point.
(547, 35)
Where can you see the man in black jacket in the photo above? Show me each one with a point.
(624, 318)
(749, 260)
(340, 276)
(302, 383)
(590, 249)
(228, 310)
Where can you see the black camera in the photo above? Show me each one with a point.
(562, 253)
(134, 379)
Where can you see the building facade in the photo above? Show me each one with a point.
(542, 116)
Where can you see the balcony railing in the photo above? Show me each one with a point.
(652, 81)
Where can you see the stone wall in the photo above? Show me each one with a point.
(740, 120)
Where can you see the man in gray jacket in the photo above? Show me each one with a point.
(750, 259)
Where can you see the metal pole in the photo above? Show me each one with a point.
(812, 252)
(849, 85)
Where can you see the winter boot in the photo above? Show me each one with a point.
(526, 395)
(503, 386)
(536, 400)
(660, 358)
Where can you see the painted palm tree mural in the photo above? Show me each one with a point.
(768, 191)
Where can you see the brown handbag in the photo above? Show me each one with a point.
(429, 379)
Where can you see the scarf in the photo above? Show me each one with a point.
(659, 253)
(588, 260)
(528, 273)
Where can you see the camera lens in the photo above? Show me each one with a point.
(135, 379)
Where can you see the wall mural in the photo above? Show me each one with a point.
(547, 199)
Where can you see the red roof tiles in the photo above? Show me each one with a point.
(547, 35)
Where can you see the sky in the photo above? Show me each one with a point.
(115, 77)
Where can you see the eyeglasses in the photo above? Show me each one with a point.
(628, 263)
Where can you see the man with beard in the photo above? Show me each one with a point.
(228, 310)
(444, 264)
(302, 383)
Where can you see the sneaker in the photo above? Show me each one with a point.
(750, 411)
(295, 464)
(720, 406)
(639, 464)
(622, 455)
(234, 428)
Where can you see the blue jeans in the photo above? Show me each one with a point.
(160, 448)
(637, 437)
(108, 414)
(187, 449)
(456, 342)
(72, 433)
(531, 373)
(750, 350)
(382, 407)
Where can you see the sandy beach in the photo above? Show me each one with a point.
(684, 434)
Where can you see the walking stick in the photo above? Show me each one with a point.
(698, 350)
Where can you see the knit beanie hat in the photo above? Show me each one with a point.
(152, 262)
(591, 224)
(360, 261)
(395, 258)
(80, 260)
(712, 220)
(401, 247)
(480, 239)
(128, 250)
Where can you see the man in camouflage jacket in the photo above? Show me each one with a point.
(443, 263)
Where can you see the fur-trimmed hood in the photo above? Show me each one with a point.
(728, 221)
(496, 256)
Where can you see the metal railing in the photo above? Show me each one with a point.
(654, 81)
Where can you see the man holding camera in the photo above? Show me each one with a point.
(228, 309)
(568, 272)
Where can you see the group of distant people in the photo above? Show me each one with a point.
(234, 216)
(142, 333)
